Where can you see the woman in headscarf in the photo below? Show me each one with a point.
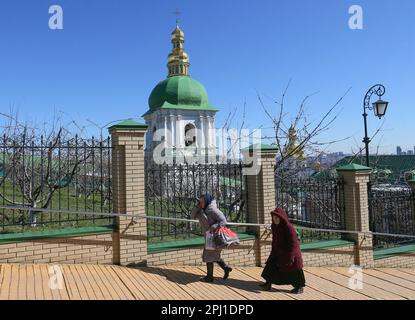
(210, 218)
(285, 264)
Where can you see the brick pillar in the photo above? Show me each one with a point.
(260, 194)
(356, 179)
(129, 238)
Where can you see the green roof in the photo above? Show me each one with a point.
(394, 164)
(261, 147)
(179, 92)
(353, 167)
(129, 124)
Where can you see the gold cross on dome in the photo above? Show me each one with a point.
(177, 13)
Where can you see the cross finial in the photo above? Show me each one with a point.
(177, 13)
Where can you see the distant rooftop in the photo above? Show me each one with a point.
(396, 167)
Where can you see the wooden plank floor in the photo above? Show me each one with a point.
(84, 282)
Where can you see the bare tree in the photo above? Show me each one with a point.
(306, 142)
(38, 162)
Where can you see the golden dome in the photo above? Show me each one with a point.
(292, 149)
(177, 32)
(178, 60)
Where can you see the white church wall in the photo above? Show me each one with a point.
(172, 124)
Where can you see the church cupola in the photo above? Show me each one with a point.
(178, 64)
(180, 116)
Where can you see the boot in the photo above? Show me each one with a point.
(266, 286)
(209, 276)
(298, 290)
(225, 268)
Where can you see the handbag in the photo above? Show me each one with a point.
(224, 237)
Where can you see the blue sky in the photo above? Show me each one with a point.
(104, 63)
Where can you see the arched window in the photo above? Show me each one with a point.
(189, 135)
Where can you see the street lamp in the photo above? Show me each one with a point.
(379, 107)
(105, 125)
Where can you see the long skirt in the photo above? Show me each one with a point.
(272, 274)
(211, 255)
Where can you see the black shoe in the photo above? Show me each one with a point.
(297, 290)
(207, 279)
(266, 286)
(227, 271)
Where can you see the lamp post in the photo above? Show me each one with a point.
(105, 125)
(379, 107)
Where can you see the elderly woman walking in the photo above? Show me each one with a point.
(285, 264)
(210, 218)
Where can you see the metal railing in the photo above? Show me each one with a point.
(171, 191)
(52, 173)
(136, 216)
(312, 203)
(391, 210)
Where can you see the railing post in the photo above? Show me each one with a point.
(130, 236)
(356, 179)
(260, 194)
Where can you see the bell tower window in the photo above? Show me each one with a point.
(190, 135)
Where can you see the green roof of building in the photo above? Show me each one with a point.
(394, 165)
(179, 92)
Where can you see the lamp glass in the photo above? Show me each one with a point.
(380, 107)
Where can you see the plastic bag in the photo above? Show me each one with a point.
(210, 241)
(224, 237)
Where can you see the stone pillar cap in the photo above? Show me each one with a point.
(352, 167)
(263, 148)
(129, 124)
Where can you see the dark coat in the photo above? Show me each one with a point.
(286, 252)
(210, 218)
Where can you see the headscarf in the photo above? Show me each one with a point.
(281, 214)
(208, 199)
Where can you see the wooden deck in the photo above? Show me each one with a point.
(84, 282)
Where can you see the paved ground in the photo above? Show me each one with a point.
(170, 283)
